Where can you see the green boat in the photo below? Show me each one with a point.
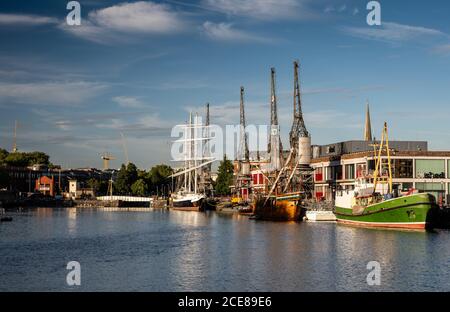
(373, 203)
(405, 212)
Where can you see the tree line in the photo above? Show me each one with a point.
(133, 181)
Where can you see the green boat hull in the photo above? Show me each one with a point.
(408, 212)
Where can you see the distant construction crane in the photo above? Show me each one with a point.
(106, 159)
(125, 149)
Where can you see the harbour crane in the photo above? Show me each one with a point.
(275, 148)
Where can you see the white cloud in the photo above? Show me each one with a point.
(226, 32)
(49, 93)
(111, 23)
(391, 32)
(145, 17)
(128, 102)
(355, 11)
(26, 20)
(261, 9)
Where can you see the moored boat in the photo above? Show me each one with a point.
(374, 203)
(188, 202)
(405, 212)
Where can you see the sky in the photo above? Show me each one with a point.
(140, 67)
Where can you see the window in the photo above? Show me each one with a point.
(319, 174)
(436, 189)
(406, 186)
(349, 172)
(331, 149)
(334, 173)
(430, 168)
(360, 170)
(403, 168)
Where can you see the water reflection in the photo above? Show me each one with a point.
(164, 250)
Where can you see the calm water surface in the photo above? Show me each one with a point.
(188, 251)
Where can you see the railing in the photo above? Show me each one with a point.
(125, 198)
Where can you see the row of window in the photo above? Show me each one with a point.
(401, 169)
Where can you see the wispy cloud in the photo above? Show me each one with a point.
(226, 32)
(262, 9)
(143, 17)
(128, 102)
(391, 32)
(25, 20)
(342, 8)
(329, 9)
(49, 93)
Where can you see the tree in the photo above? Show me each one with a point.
(158, 176)
(224, 177)
(3, 154)
(17, 159)
(128, 174)
(139, 188)
(99, 186)
(21, 159)
(38, 158)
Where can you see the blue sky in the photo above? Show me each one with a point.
(140, 67)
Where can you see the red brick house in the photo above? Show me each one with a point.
(45, 185)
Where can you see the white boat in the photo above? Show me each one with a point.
(320, 215)
(188, 197)
(188, 201)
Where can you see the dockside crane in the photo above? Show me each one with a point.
(275, 148)
(300, 178)
(243, 177)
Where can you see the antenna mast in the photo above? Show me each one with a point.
(14, 149)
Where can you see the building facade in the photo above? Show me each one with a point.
(46, 186)
(425, 171)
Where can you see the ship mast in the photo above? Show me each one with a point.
(378, 176)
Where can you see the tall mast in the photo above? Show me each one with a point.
(207, 154)
(14, 149)
(194, 143)
(367, 125)
(190, 152)
(243, 142)
(185, 148)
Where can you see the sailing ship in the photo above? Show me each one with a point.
(374, 203)
(189, 197)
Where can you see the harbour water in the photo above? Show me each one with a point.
(159, 250)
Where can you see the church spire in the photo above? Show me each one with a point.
(367, 126)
